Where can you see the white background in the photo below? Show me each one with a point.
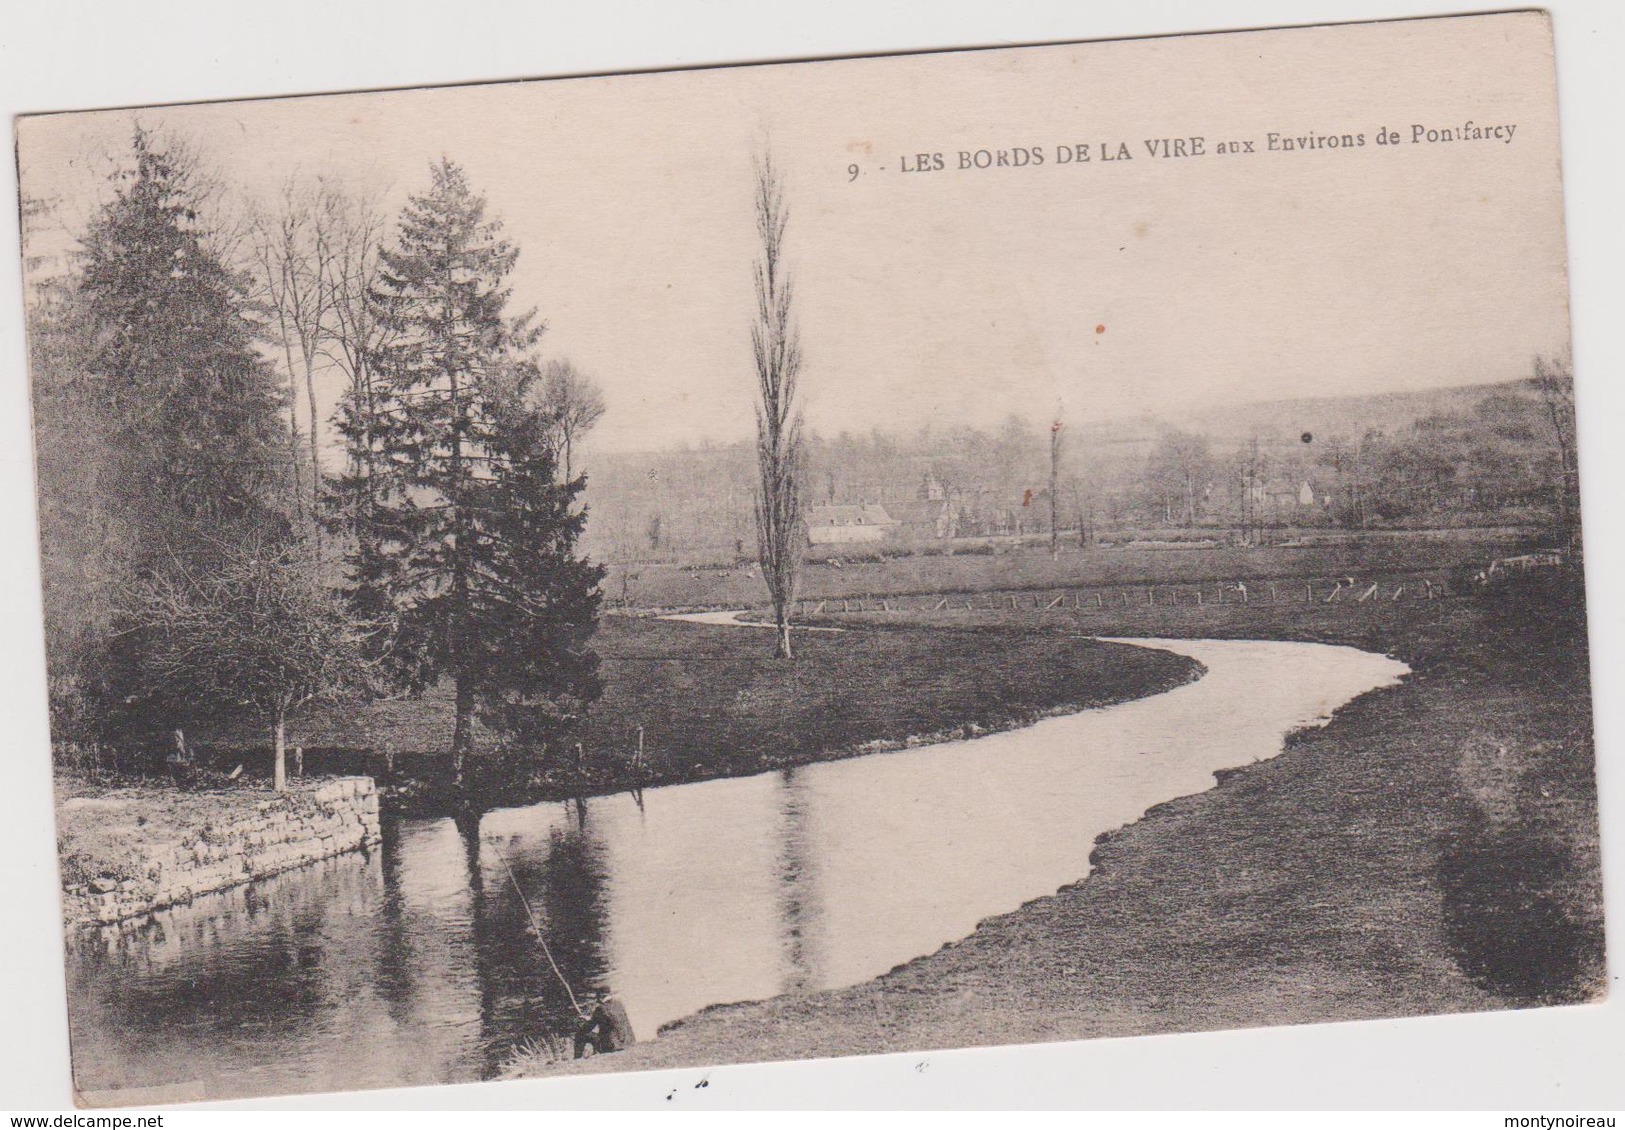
(74, 55)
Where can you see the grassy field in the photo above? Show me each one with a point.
(1030, 568)
(1433, 849)
(713, 702)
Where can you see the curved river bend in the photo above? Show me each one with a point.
(413, 965)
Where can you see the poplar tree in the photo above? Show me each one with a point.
(470, 535)
(776, 351)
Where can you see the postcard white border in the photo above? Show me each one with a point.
(72, 55)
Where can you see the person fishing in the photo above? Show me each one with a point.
(604, 1027)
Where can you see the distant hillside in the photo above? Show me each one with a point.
(1350, 416)
(1436, 457)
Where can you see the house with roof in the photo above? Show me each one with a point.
(1284, 495)
(847, 524)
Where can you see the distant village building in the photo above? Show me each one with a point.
(849, 525)
(932, 515)
(1282, 496)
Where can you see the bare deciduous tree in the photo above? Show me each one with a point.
(1178, 471)
(316, 256)
(574, 403)
(357, 228)
(293, 249)
(776, 349)
(256, 627)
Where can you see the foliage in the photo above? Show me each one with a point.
(86, 547)
(193, 412)
(157, 421)
(468, 540)
(241, 624)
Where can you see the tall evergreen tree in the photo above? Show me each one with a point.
(85, 543)
(470, 534)
(193, 410)
(160, 430)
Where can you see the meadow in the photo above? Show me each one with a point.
(868, 572)
(712, 701)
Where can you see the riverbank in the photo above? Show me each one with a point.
(711, 701)
(1433, 849)
(130, 849)
(705, 701)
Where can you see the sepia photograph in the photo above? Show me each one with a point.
(777, 562)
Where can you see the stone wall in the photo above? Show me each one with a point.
(273, 835)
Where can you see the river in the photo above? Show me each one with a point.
(413, 964)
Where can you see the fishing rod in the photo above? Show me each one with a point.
(536, 928)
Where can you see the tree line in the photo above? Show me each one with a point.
(1501, 454)
(201, 562)
(1505, 456)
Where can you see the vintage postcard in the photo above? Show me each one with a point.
(814, 559)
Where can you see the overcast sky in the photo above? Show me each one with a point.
(962, 296)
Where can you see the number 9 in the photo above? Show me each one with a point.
(852, 173)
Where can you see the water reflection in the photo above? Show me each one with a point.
(799, 908)
(417, 964)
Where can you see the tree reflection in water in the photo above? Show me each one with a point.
(417, 964)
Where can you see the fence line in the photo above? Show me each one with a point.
(1098, 598)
